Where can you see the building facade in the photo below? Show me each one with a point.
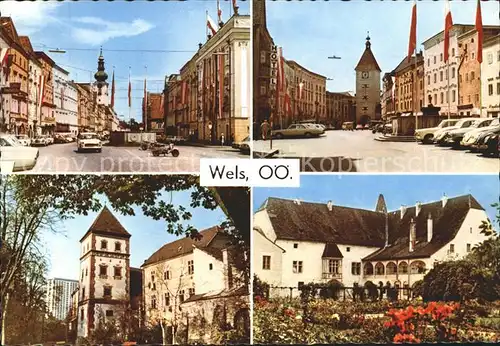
(18, 67)
(154, 119)
(388, 102)
(58, 297)
(86, 115)
(189, 108)
(297, 243)
(66, 101)
(308, 100)
(34, 80)
(367, 87)
(409, 90)
(340, 107)
(490, 78)
(441, 78)
(48, 119)
(5, 97)
(188, 280)
(469, 78)
(104, 272)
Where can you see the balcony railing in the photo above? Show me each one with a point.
(332, 276)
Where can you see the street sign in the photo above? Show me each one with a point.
(274, 68)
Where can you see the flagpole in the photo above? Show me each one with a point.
(129, 99)
(145, 101)
(415, 83)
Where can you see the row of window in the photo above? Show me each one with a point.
(103, 271)
(333, 266)
(167, 274)
(104, 245)
(167, 298)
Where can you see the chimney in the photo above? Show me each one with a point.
(418, 207)
(429, 228)
(403, 211)
(330, 205)
(413, 234)
(444, 200)
(228, 274)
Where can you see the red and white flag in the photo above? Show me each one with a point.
(448, 23)
(479, 29)
(4, 56)
(412, 43)
(219, 12)
(212, 26)
(41, 90)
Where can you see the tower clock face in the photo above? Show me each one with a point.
(364, 75)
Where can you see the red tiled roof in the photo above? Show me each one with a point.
(182, 246)
(368, 61)
(107, 224)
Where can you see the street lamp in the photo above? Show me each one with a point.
(334, 57)
(57, 50)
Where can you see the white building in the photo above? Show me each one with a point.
(66, 101)
(4, 98)
(58, 296)
(436, 70)
(297, 242)
(490, 78)
(104, 272)
(189, 279)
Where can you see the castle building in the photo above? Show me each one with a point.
(367, 87)
(299, 242)
(104, 272)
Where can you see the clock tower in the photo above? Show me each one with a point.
(367, 86)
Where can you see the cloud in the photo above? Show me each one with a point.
(29, 16)
(106, 30)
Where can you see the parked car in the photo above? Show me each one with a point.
(348, 126)
(49, 139)
(488, 142)
(440, 135)
(24, 140)
(39, 141)
(88, 141)
(11, 150)
(426, 136)
(297, 130)
(245, 146)
(237, 145)
(454, 137)
(471, 137)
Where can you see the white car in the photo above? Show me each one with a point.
(440, 135)
(427, 135)
(88, 141)
(49, 139)
(11, 150)
(24, 140)
(471, 137)
(39, 141)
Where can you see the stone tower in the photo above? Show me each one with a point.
(381, 206)
(367, 86)
(104, 271)
(101, 85)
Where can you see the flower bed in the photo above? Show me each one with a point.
(281, 321)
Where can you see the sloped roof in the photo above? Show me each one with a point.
(343, 225)
(332, 250)
(9, 26)
(315, 222)
(182, 246)
(107, 224)
(367, 60)
(446, 223)
(405, 64)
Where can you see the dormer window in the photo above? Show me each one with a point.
(118, 246)
(104, 245)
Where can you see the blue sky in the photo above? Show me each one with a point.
(310, 31)
(148, 235)
(362, 191)
(137, 25)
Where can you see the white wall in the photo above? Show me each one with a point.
(355, 254)
(489, 76)
(206, 280)
(261, 219)
(264, 247)
(373, 93)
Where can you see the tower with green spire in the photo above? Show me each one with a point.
(101, 85)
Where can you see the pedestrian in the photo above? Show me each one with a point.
(222, 139)
(264, 129)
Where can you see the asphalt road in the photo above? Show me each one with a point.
(64, 158)
(359, 152)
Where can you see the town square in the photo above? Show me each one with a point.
(378, 97)
(101, 87)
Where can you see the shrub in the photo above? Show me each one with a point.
(331, 290)
(260, 288)
(372, 290)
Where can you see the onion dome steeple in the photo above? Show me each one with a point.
(368, 43)
(101, 76)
